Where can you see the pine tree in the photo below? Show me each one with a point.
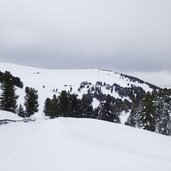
(31, 101)
(75, 106)
(21, 111)
(16, 81)
(86, 106)
(147, 117)
(107, 110)
(64, 104)
(132, 119)
(47, 107)
(8, 99)
(54, 109)
(163, 110)
(153, 112)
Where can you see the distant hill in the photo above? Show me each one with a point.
(97, 82)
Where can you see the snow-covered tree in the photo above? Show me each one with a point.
(163, 111)
(147, 117)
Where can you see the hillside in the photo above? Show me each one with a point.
(8, 115)
(78, 81)
(81, 144)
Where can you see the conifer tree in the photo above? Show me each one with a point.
(64, 104)
(54, 109)
(147, 117)
(107, 110)
(21, 111)
(132, 119)
(31, 101)
(163, 110)
(47, 107)
(75, 106)
(86, 106)
(8, 99)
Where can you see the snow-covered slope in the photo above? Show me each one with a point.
(38, 77)
(50, 82)
(81, 145)
(9, 115)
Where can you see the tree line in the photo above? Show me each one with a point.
(69, 105)
(8, 98)
(152, 112)
(149, 111)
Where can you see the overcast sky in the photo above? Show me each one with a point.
(132, 36)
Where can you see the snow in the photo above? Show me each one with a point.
(81, 144)
(46, 80)
(76, 144)
(9, 115)
(95, 103)
(31, 75)
(123, 117)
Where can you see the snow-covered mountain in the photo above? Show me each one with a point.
(81, 144)
(79, 81)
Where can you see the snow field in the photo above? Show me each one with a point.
(46, 80)
(81, 144)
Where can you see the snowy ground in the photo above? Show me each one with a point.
(9, 115)
(81, 145)
(46, 81)
(76, 144)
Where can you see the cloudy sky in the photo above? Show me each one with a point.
(131, 36)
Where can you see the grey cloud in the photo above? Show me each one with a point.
(114, 34)
(123, 63)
